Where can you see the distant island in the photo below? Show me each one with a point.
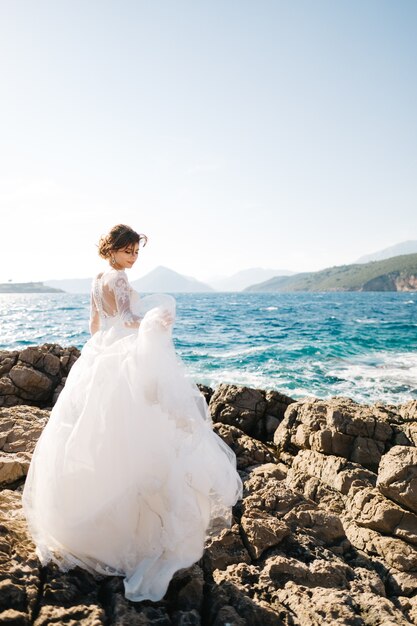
(398, 273)
(28, 288)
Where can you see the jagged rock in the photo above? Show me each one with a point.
(393, 552)
(33, 375)
(339, 427)
(316, 606)
(20, 428)
(248, 451)
(319, 538)
(19, 567)
(371, 509)
(262, 531)
(334, 471)
(254, 411)
(237, 596)
(397, 476)
(225, 549)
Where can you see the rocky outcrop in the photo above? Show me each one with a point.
(326, 532)
(36, 375)
(20, 428)
(254, 411)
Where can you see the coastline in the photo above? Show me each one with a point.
(326, 531)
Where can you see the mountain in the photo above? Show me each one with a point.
(397, 273)
(27, 288)
(159, 279)
(71, 285)
(405, 247)
(164, 279)
(245, 278)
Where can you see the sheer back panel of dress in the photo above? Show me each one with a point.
(111, 295)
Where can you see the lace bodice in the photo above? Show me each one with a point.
(111, 301)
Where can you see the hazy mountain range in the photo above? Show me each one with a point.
(244, 278)
(164, 279)
(405, 247)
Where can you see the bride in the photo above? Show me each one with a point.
(128, 477)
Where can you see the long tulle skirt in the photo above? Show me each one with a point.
(128, 478)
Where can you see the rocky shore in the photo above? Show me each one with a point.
(326, 532)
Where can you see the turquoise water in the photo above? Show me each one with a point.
(362, 345)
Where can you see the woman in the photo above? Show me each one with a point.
(128, 477)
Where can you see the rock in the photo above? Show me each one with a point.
(33, 375)
(186, 590)
(256, 412)
(338, 427)
(397, 476)
(371, 509)
(393, 552)
(248, 451)
(20, 428)
(238, 406)
(7, 361)
(206, 391)
(225, 549)
(235, 595)
(326, 531)
(262, 531)
(19, 567)
(334, 471)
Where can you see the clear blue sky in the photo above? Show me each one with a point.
(234, 133)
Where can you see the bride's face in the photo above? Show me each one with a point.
(126, 257)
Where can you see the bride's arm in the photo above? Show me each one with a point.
(122, 296)
(94, 323)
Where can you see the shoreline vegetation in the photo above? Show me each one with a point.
(326, 531)
(398, 273)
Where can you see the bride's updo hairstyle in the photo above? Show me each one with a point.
(119, 237)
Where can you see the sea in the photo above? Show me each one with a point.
(357, 345)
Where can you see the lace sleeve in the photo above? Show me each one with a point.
(121, 290)
(94, 324)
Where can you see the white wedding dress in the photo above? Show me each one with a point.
(128, 477)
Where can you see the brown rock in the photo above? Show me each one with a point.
(316, 606)
(31, 383)
(237, 596)
(371, 509)
(33, 375)
(262, 531)
(337, 427)
(334, 471)
(394, 552)
(248, 451)
(225, 549)
(319, 573)
(7, 361)
(254, 411)
(397, 476)
(20, 428)
(19, 571)
(237, 406)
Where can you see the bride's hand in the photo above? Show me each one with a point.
(166, 319)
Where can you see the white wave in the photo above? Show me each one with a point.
(390, 376)
(227, 354)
